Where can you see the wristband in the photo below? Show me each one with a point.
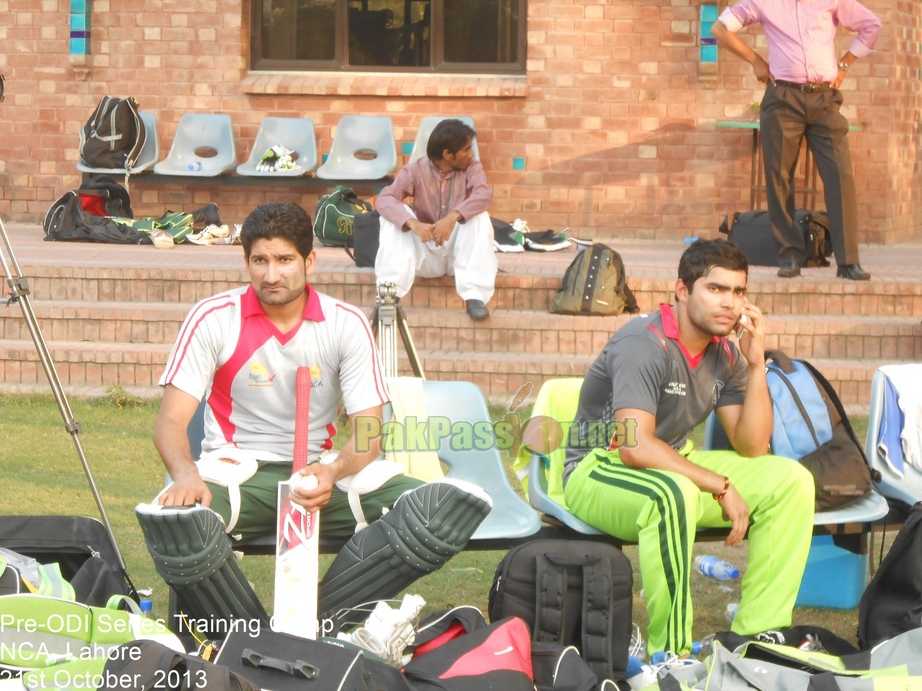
(719, 497)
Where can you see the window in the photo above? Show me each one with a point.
(482, 36)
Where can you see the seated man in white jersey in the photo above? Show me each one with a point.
(240, 351)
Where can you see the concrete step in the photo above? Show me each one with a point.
(516, 331)
(95, 364)
(816, 294)
(78, 320)
(85, 363)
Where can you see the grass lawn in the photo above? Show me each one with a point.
(41, 474)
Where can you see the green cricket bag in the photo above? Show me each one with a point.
(334, 215)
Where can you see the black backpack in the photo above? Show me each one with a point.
(114, 136)
(576, 582)
(595, 283)
(892, 602)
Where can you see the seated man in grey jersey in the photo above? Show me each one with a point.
(659, 377)
(239, 351)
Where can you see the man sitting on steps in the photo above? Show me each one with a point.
(446, 229)
(240, 351)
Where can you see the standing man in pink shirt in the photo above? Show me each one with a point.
(445, 229)
(802, 97)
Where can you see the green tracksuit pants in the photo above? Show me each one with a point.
(661, 511)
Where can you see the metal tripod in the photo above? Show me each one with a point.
(386, 321)
(19, 292)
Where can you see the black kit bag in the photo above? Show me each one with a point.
(282, 662)
(595, 284)
(892, 602)
(570, 593)
(366, 236)
(146, 664)
(751, 231)
(68, 221)
(114, 136)
(80, 546)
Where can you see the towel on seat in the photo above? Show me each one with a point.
(408, 400)
(907, 380)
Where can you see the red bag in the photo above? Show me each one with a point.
(494, 657)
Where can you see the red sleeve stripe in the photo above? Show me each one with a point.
(376, 365)
(185, 337)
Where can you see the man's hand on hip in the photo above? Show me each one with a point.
(186, 491)
(760, 68)
(837, 82)
(424, 231)
(735, 510)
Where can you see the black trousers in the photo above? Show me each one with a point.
(787, 115)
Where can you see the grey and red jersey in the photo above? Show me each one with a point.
(645, 366)
(229, 352)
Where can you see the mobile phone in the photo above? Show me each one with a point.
(740, 329)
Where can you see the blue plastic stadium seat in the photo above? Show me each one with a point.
(198, 132)
(363, 149)
(425, 130)
(150, 154)
(295, 134)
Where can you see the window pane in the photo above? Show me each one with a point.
(299, 29)
(481, 30)
(389, 33)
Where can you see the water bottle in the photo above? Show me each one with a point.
(712, 567)
(703, 646)
(147, 609)
(730, 612)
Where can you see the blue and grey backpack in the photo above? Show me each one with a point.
(810, 425)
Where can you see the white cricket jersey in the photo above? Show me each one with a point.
(229, 352)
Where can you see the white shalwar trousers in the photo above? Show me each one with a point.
(468, 256)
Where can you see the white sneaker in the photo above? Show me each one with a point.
(651, 674)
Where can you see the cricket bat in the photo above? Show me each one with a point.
(296, 561)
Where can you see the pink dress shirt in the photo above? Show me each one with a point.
(801, 34)
(435, 194)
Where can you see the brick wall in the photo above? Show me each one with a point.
(614, 121)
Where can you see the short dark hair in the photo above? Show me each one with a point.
(703, 255)
(448, 134)
(278, 220)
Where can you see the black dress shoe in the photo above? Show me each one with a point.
(789, 270)
(852, 272)
(476, 310)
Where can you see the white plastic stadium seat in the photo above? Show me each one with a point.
(197, 132)
(295, 134)
(372, 138)
(425, 131)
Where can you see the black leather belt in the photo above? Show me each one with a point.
(807, 88)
